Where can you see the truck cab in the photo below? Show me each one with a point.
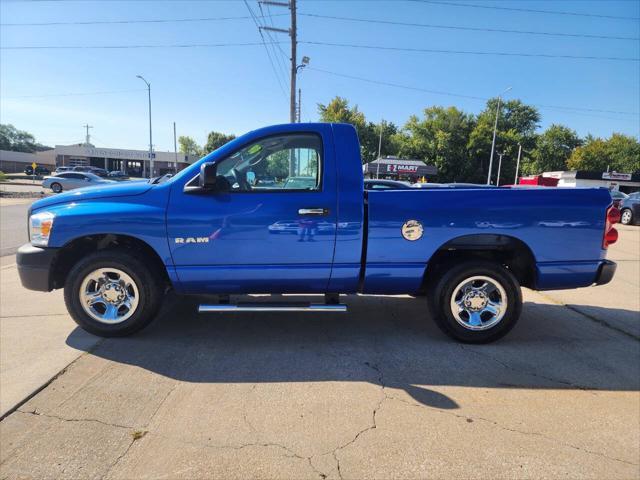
(283, 210)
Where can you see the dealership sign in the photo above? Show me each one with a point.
(616, 176)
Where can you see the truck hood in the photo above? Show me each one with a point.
(123, 189)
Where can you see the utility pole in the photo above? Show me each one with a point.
(379, 150)
(175, 149)
(515, 182)
(87, 137)
(493, 142)
(499, 167)
(299, 106)
(150, 134)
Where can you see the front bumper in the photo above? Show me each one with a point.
(605, 272)
(35, 266)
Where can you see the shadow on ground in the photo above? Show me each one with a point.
(383, 340)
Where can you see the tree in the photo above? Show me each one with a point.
(338, 111)
(552, 150)
(189, 146)
(215, 140)
(439, 139)
(620, 153)
(18, 140)
(517, 124)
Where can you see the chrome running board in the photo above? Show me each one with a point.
(268, 307)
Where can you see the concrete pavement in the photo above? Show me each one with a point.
(13, 212)
(378, 393)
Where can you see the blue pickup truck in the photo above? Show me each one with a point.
(283, 210)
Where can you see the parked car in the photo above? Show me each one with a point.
(118, 175)
(70, 180)
(299, 183)
(39, 170)
(63, 169)
(101, 172)
(617, 196)
(630, 209)
(117, 249)
(451, 185)
(377, 184)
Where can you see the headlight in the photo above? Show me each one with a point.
(40, 225)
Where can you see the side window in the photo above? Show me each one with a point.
(63, 175)
(283, 162)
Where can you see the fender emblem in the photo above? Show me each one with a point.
(412, 230)
(192, 240)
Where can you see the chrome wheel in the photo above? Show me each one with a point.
(478, 303)
(109, 295)
(625, 218)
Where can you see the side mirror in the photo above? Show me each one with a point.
(208, 176)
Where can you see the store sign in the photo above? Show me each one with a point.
(616, 176)
(399, 168)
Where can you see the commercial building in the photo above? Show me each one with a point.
(132, 162)
(399, 169)
(625, 182)
(16, 162)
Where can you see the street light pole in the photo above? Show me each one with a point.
(150, 130)
(515, 182)
(493, 142)
(499, 168)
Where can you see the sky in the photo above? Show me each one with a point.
(235, 88)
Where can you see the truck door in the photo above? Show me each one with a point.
(274, 231)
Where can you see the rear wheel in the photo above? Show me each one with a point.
(476, 302)
(112, 294)
(626, 217)
(56, 187)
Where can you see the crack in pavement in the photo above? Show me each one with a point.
(56, 417)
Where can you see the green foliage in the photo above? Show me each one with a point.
(18, 140)
(189, 146)
(620, 153)
(3, 176)
(215, 140)
(439, 139)
(552, 150)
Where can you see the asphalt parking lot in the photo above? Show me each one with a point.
(377, 393)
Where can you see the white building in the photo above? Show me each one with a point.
(625, 182)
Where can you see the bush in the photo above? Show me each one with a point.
(3, 177)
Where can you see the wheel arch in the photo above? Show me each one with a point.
(72, 251)
(507, 250)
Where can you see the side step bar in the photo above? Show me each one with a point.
(271, 307)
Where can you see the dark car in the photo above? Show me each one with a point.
(39, 170)
(630, 209)
(617, 196)
(118, 175)
(376, 184)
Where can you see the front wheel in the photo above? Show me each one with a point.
(112, 294)
(56, 187)
(476, 302)
(626, 217)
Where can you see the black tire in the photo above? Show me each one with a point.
(441, 291)
(56, 187)
(626, 217)
(149, 292)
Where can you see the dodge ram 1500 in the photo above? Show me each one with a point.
(283, 210)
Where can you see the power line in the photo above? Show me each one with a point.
(527, 10)
(473, 29)
(117, 22)
(575, 110)
(75, 94)
(273, 67)
(90, 47)
(471, 52)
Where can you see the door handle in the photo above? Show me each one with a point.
(313, 211)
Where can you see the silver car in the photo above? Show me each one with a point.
(71, 180)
